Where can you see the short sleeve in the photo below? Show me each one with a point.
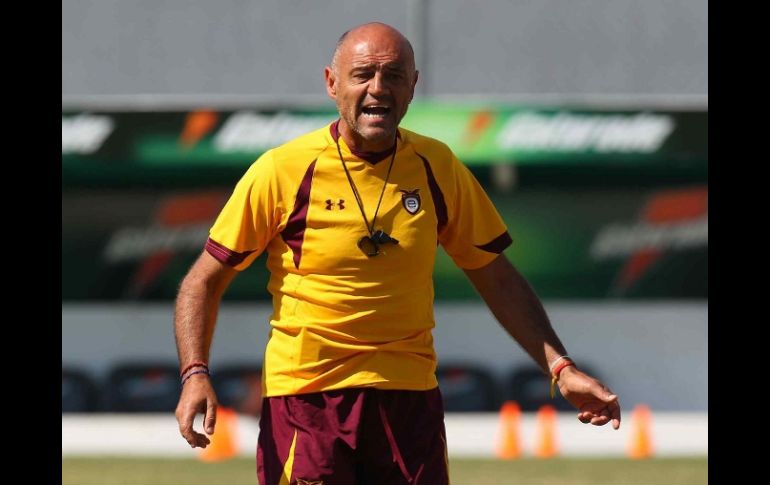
(474, 234)
(250, 218)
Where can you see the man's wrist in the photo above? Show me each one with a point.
(198, 371)
(566, 371)
(558, 368)
(552, 365)
(559, 365)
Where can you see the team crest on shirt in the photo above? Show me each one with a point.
(411, 200)
(302, 481)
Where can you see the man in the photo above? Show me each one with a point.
(350, 216)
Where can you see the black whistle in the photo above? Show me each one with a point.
(381, 237)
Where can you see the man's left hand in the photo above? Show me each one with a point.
(596, 403)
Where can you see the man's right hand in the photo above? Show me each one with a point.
(197, 397)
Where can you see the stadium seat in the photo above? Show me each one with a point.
(79, 393)
(467, 388)
(239, 386)
(530, 388)
(143, 388)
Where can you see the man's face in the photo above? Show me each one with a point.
(372, 82)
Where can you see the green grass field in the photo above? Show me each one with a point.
(161, 471)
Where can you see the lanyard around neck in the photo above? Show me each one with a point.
(359, 201)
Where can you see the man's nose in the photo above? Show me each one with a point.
(377, 85)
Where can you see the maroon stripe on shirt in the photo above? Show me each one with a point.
(437, 195)
(371, 157)
(294, 232)
(498, 244)
(225, 255)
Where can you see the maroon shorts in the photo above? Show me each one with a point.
(353, 436)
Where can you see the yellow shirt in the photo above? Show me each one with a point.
(341, 318)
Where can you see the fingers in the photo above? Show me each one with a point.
(602, 416)
(593, 419)
(613, 408)
(200, 440)
(615, 414)
(598, 405)
(600, 420)
(210, 420)
(193, 438)
(597, 419)
(185, 415)
(185, 420)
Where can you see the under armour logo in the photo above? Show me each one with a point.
(330, 204)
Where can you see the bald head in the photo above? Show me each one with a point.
(369, 32)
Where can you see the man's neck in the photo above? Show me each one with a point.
(371, 156)
(356, 143)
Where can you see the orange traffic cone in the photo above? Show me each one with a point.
(223, 444)
(546, 445)
(640, 441)
(509, 446)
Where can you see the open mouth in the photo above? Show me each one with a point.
(375, 111)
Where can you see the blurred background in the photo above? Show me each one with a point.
(586, 121)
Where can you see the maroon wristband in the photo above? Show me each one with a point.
(202, 371)
(197, 363)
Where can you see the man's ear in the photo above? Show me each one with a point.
(331, 82)
(414, 84)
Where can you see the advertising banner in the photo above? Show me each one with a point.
(185, 148)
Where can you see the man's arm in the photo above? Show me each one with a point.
(197, 305)
(520, 312)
